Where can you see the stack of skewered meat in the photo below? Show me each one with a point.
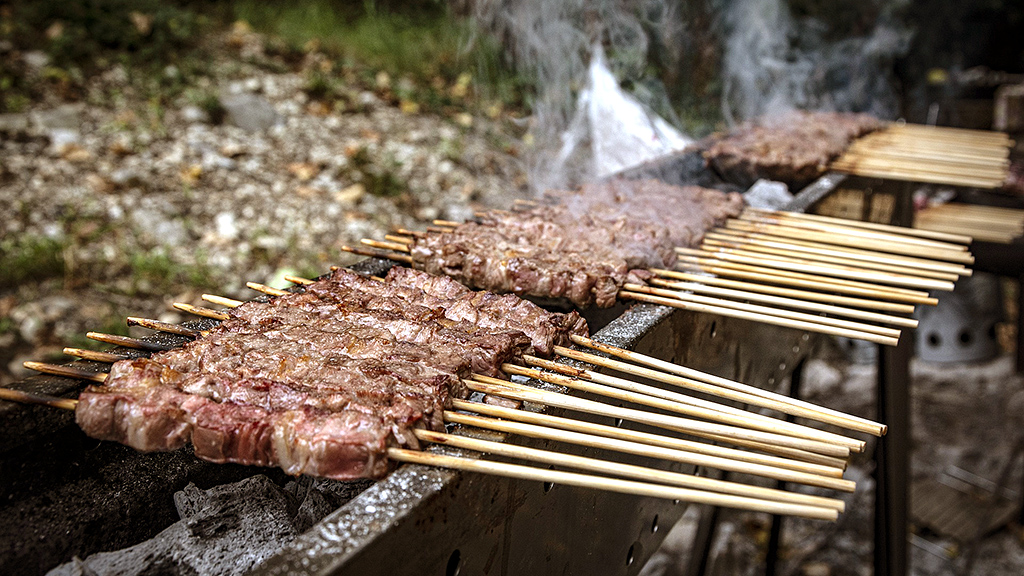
(323, 381)
(794, 148)
(583, 245)
(351, 374)
(636, 239)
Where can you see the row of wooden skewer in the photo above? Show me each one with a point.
(764, 446)
(987, 223)
(930, 154)
(808, 272)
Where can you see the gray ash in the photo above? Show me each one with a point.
(228, 529)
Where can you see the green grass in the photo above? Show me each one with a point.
(419, 41)
(30, 258)
(153, 271)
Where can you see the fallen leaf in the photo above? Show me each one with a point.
(99, 184)
(307, 192)
(318, 108)
(409, 107)
(55, 30)
(304, 171)
(190, 174)
(75, 153)
(232, 150)
(368, 134)
(461, 86)
(350, 195)
(143, 22)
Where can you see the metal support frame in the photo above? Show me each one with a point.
(775, 535)
(892, 452)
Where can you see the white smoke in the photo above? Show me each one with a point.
(622, 133)
(578, 101)
(774, 62)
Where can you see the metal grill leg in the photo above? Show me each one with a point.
(892, 459)
(775, 535)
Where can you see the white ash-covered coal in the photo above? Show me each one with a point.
(228, 529)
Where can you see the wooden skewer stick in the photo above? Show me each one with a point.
(826, 251)
(738, 428)
(612, 468)
(852, 232)
(929, 148)
(961, 257)
(23, 397)
(405, 240)
(439, 230)
(628, 447)
(769, 276)
(763, 318)
(808, 410)
(921, 142)
(932, 132)
(920, 173)
(610, 484)
(269, 290)
(789, 292)
(396, 246)
(637, 441)
(861, 224)
(706, 410)
(903, 154)
(95, 356)
(1012, 214)
(67, 371)
(164, 327)
(713, 385)
(974, 169)
(222, 300)
(298, 280)
(787, 302)
(976, 221)
(446, 223)
(808, 267)
(413, 233)
(522, 393)
(786, 255)
(780, 312)
(845, 250)
(397, 257)
(167, 327)
(820, 283)
(903, 150)
(127, 342)
(924, 177)
(827, 281)
(200, 311)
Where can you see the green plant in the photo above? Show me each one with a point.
(155, 271)
(30, 258)
(420, 42)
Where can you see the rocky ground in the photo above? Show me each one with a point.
(115, 205)
(967, 416)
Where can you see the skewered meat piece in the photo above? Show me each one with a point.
(489, 310)
(319, 382)
(139, 411)
(584, 248)
(456, 303)
(794, 148)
